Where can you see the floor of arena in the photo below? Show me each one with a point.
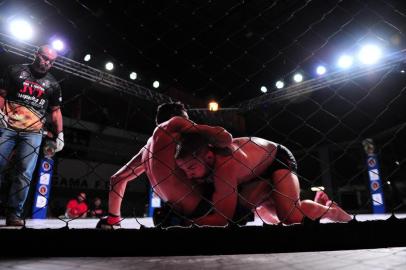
(371, 242)
(135, 223)
(384, 258)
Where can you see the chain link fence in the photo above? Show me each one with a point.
(326, 147)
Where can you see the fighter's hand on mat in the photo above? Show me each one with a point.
(109, 223)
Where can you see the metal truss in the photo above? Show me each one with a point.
(390, 62)
(70, 66)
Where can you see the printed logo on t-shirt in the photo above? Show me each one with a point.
(28, 98)
(24, 75)
(32, 94)
(22, 117)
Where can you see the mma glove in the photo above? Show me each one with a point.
(59, 142)
(110, 222)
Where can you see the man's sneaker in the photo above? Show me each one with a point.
(104, 225)
(13, 220)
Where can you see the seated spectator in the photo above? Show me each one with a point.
(96, 210)
(77, 208)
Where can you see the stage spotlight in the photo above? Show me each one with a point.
(155, 84)
(133, 75)
(109, 66)
(58, 45)
(87, 57)
(264, 89)
(370, 54)
(21, 29)
(320, 70)
(345, 61)
(213, 106)
(298, 77)
(279, 84)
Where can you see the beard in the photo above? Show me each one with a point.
(38, 68)
(39, 71)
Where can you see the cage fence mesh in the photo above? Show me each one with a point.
(337, 126)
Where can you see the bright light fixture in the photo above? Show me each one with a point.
(133, 75)
(87, 57)
(21, 29)
(213, 106)
(345, 61)
(109, 66)
(279, 84)
(298, 77)
(370, 54)
(321, 70)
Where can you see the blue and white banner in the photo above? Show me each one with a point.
(154, 202)
(375, 184)
(43, 189)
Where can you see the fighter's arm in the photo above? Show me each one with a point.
(218, 136)
(132, 169)
(119, 180)
(224, 198)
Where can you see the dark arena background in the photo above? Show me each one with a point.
(324, 78)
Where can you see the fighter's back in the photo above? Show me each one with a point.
(252, 155)
(168, 181)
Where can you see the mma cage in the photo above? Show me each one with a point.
(346, 130)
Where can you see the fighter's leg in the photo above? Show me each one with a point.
(267, 212)
(256, 194)
(334, 212)
(289, 207)
(286, 194)
(321, 197)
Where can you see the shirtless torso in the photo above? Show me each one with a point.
(156, 159)
(167, 181)
(258, 173)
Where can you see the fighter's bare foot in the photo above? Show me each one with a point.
(321, 198)
(337, 213)
(267, 215)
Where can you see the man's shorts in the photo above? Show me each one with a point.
(284, 159)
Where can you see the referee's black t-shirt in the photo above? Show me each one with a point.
(28, 97)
